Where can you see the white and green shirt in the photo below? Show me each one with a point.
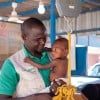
(22, 78)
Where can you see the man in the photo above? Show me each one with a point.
(20, 78)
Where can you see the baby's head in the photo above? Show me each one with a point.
(60, 48)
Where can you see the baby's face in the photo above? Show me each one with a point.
(58, 51)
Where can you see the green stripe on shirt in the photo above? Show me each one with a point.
(8, 78)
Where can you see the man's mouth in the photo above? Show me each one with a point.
(41, 48)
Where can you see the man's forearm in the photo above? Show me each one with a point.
(44, 96)
(3, 97)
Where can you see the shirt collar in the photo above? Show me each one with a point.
(28, 54)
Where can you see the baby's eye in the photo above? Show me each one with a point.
(55, 50)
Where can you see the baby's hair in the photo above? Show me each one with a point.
(60, 37)
(62, 40)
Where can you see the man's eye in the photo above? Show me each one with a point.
(39, 39)
(36, 39)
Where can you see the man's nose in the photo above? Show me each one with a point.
(42, 41)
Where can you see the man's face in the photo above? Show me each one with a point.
(35, 40)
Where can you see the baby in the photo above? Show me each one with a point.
(59, 63)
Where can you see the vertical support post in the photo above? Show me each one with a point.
(52, 21)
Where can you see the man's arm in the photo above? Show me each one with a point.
(40, 66)
(6, 97)
(44, 96)
(8, 82)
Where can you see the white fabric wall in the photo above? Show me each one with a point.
(84, 21)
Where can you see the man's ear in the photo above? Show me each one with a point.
(23, 37)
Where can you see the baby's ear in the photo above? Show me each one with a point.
(66, 52)
(66, 49)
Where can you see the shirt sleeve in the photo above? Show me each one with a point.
(8, 78)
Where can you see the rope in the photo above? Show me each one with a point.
(66, 91)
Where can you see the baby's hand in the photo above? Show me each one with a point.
(27, 59)
(55, 85)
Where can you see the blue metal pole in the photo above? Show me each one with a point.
(52, 21)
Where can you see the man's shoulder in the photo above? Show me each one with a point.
(7, 68)
(19, 54)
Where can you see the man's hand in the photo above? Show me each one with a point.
(42, 96)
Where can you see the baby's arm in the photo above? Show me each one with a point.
(40, 66)
(53, 76)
